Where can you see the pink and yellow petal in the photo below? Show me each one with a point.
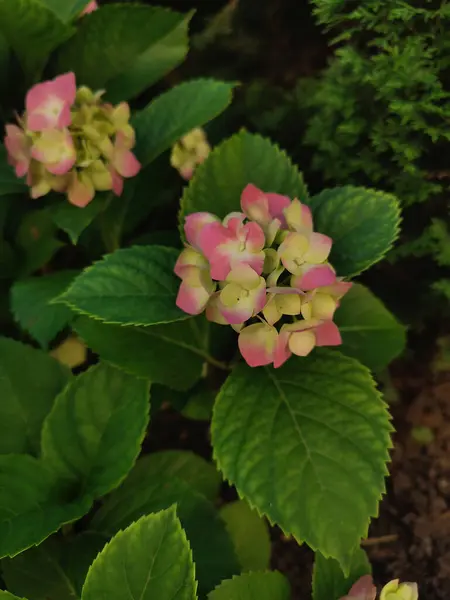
(189, 257)
(314, 276)
(255, 204)
(301, 343)
(327, 334)
(192, 300)
(319, 248)
(277, 205)
(257, 344)
(255, 239)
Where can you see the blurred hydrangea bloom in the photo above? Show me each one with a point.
(190, 151)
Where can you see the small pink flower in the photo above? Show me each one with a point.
(301, 337)
(90, 8)
(299, 217)
(298, 249)
(309, 277)
(194, 225)
(55, 149)
(322, 302)
(363, 589)
(48, 104)
(195, 290)
(19, 149)
(243, 295)
(229, 244)
(258, 344)
(123, 163)
(263, 207)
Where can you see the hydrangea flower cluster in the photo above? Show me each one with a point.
(255, 268)
(189, 152)
(364, 589)
(69, 141)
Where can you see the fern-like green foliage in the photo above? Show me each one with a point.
(380, 114)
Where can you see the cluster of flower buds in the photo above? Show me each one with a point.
(258, 268)
(189, 152)
(69, 141)
(364, 589)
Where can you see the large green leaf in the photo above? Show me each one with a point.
(38, 573)
(253, 586)
(132, 286)
(168, 44)
(201, 475)
(369, 331)
(4, 595)
(330, 583)
(9, 183)
(94, 433)
(30, 305)
(150, 560)
(115, 43)
(66, 10)
(176, 112)
(33, 31)
(31, 505)
(73, 219)
(149, 489)
(306, 445)
(29, 382)
(250, 535)
(363, 224)
(155, 353)
(244, 158)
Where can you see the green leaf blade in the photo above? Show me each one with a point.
(26, 401)
(252, 159)
(30, 300)
(94, 433)
(253, 586)
(330, 583)
(174, 113)
(363, 224)
(150, 559)
(132, 286)
(369, 331)
(307, 445)
(155, 352)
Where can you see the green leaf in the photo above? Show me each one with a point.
(150, 560)
(33, 31)
(201, 475)
(243, 158)
(149, 489)
(155, 353)
(7, 596)
(168, 44)
(31, 505)
(369, 331)
(363, 224)
(9, 183)
(74, 220)
(79, 554)
(38, 574)
(253, 586)
(30, 305)
(26, 400)
(67, 10)
(307, 445)
(94, 433)
(330, 583)
(132, 286)
(115, 44)
(174, 113)
(37, 241)
(250, 535)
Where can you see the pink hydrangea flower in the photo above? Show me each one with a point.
(90, 8)
(363, 589)
(18, 147)
(248, 254)
(48, 104)
(123, 162)
(232, 243)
